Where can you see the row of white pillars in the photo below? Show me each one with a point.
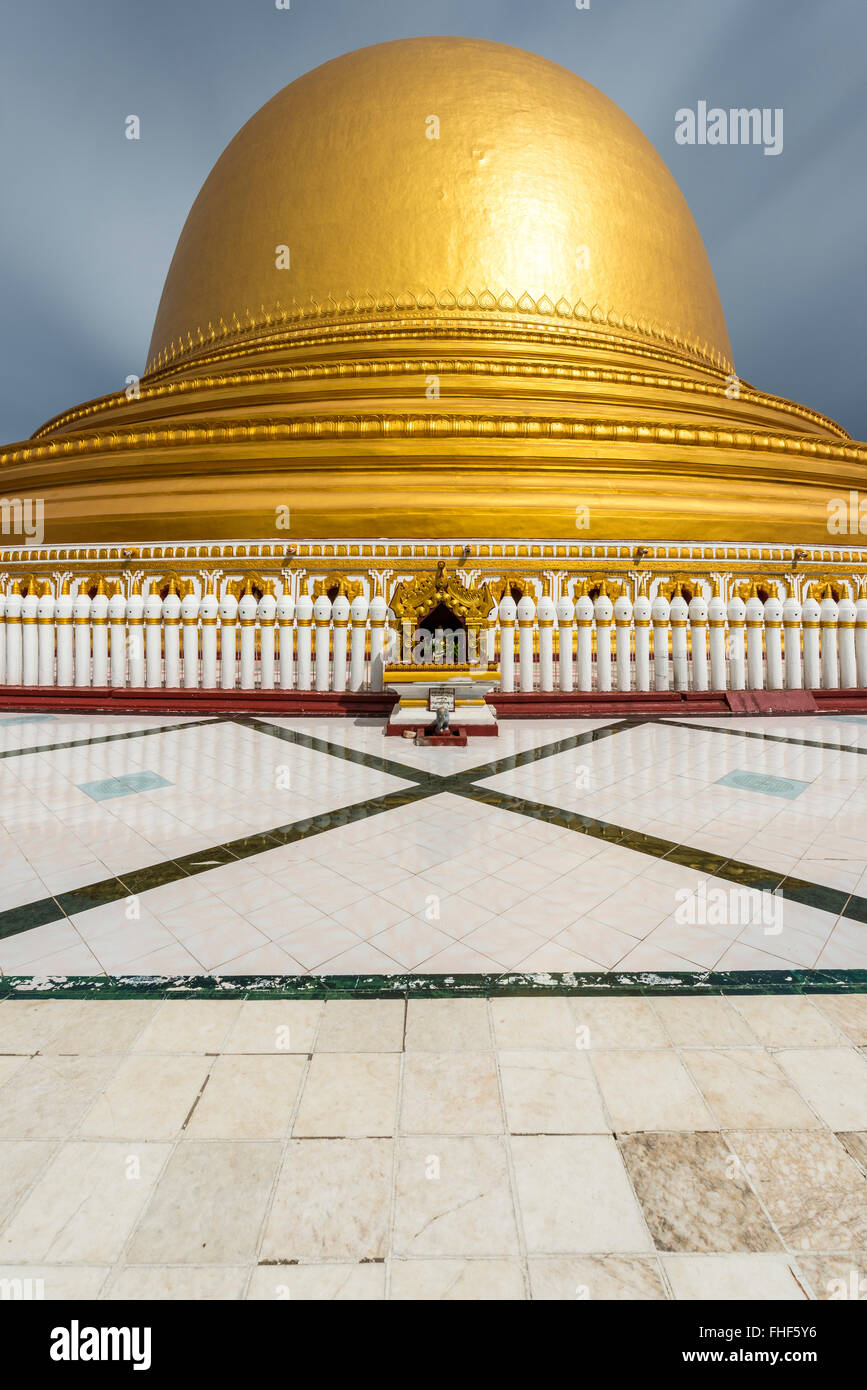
(147, 641)
(703, 645)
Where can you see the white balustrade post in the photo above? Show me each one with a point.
(546, 612)
(171, 625)
(267, 615)
(14, 645)
(322, 618)
(584, 624)
(508, 616)
(153, 628)
(209, 610)
(303, 619)
(660, 612)
(81, 629)
(810, 615)
(792, 636)
(755, 616)
(679, 617)
(526, 612)
(566, 659)
(846, 617)
(828, 624)
(45, 636)
(63, 623)
(117, 637)
(286, 638)
(2, 637)
(716, 619)
(247, 606)
(29, 637)
(340, 610)
(228, 640)
(603, 611)
(190, 636)
(641, 614)
(358, 613)
(773, 642)
(622, 642)
(737, 616)
(698, 619)
(378, 614)
(861, 637)
(99, 629)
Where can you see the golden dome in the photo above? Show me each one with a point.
(538, 196)
(509, 332)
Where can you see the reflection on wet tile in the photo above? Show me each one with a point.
(694, 1195)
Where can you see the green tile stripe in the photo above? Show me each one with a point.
(600, 983)
(191, 723)
(764, 736)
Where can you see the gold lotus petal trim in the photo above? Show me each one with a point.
(446, 301)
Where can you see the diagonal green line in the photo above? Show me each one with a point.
(765, 737)
(733, 870)
(545, 750)
(339, 750)
(108, 890)
(191, 723)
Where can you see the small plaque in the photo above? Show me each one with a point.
(441, 697)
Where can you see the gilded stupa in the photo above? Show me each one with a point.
(440, 293)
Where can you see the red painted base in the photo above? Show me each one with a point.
(107, 700)
(458, 740)
(538, 705)
(465, 730)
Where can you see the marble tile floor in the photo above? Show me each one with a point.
(293, 848)
(550, 1148)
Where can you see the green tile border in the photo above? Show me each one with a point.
(599, 983)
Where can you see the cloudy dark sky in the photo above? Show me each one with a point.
(89, 219)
